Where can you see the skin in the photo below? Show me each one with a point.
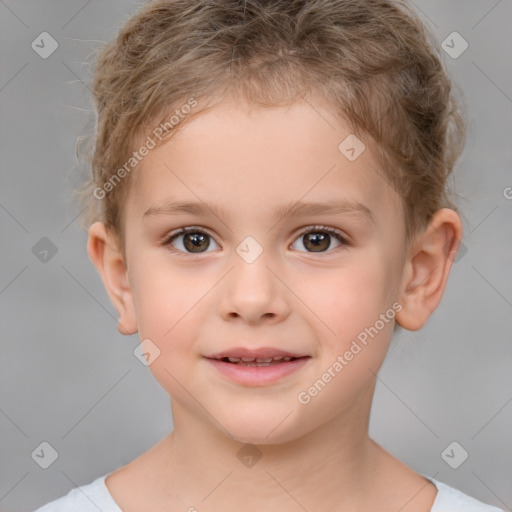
(314, 456)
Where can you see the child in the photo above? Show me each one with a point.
(268, 205)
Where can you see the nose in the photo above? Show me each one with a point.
(254, 292)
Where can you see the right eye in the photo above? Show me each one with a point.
(195, 241)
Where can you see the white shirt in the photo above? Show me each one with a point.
(96, 496)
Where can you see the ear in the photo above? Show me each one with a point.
(104, 253)
(427, 268)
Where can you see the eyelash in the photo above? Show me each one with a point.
(168, 239)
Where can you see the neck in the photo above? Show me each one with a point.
(328, 467)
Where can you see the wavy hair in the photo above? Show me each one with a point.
(373, 61)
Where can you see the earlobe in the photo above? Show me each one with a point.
(427, 269)
(109, 262)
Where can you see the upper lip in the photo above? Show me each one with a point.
(257, 353)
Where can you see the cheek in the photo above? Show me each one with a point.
(348, 300)
(164, 301)
(354, 339)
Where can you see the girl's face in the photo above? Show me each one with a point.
(261, 268)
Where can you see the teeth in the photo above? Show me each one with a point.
(261, 360)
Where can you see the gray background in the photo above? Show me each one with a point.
(69, 378)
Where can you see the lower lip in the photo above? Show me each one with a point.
(256, 375)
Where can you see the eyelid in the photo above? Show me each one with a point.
(184, 230)
(328, 229)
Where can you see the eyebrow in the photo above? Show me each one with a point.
(291, 209)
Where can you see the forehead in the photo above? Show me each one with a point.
(241, 157)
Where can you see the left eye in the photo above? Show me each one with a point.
(318, 238)
(197, 241)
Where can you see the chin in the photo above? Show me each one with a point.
(259, 438)
(260, 431)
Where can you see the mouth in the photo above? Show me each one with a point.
(257, 367)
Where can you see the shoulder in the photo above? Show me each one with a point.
(86, 498)
(449, 499)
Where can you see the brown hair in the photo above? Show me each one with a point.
(373, 61)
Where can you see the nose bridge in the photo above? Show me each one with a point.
(253, 290)
(252, 262)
